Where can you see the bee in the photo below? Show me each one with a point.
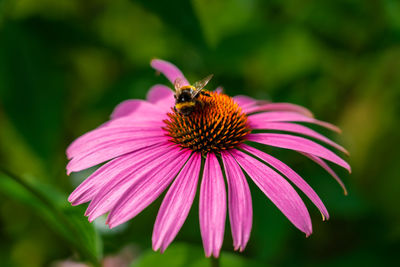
(186, 96)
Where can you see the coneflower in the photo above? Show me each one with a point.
(148, 146)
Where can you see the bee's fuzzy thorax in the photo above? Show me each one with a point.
(187, 87)
(217, 123)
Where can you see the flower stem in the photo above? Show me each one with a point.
(214, 262)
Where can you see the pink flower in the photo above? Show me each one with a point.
(148, 147)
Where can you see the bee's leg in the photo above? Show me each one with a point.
(205, 93)
(175, 109)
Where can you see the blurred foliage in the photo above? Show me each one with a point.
(187, 255)
(55, 211)
(65, 64)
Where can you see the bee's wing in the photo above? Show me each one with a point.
(201, 84)
(178, 83)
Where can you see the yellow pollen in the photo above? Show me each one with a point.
(217, 123)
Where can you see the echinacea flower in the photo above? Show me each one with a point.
(148, 147)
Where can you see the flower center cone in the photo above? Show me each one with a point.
(217, 123)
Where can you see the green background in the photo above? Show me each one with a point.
(65, 64)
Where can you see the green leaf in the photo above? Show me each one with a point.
(56, 212)
(187, 255)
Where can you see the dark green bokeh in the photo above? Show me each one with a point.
(65, 64)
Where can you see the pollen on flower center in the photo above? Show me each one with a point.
(217, 123)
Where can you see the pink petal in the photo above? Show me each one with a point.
(244, 101)
(139, 110)
(109, 151)
(212, 207)
(281, 116)
(328, 169)
(135, 121)
(277, 189)
(169, 70)
(292, 176)
(95, 182)
(299, 144)
(280, 107)
(161, 96)
(113, 191)
(102, 135)
(142, 193)
(112, 125)
(295, 128)
(176, 204)
(240, 207)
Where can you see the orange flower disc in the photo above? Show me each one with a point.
(217, 123)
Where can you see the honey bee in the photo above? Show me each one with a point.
(186, 96)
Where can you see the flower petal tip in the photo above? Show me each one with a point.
(110, 225)
(91, 219)
(239, 247)
(332, 127)
(325, 217)
(215, 254)
(347, 167)
(71, 199)
(155, 247)
(162, 249)
(155, 60)
(159, 246)
(87, 213)
(169, 70)
(346, 152)
(308, 233)
(74, 203)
